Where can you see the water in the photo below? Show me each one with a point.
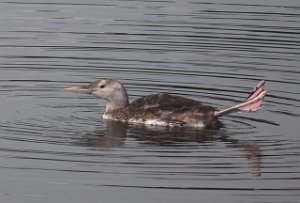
(55, 147)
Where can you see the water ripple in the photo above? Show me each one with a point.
(58, 144)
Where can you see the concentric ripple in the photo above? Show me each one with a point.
(55, 146)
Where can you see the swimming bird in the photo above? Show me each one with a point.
(164, 109)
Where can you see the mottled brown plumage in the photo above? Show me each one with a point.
(162, 109)
(168, 110)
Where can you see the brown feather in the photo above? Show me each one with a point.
(171, 109)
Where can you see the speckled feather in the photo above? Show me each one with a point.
(163, 109)
(168, 110)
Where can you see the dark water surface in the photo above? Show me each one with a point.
(55, 147)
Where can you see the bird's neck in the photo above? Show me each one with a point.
(116, 103)
(118, 99)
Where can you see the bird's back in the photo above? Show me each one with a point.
(169, 110)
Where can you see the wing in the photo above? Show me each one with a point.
(171, 110)
(166, 102)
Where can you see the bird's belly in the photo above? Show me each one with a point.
(158, 122)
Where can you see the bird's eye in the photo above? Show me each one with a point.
(102, 86)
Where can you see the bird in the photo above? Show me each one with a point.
(164, 109)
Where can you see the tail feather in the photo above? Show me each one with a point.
(253, 102)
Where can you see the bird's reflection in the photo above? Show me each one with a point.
(253, 153)
(115, 134)
(112, 136)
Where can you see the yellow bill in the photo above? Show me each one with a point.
(77, 90)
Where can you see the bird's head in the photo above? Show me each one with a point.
(108, 89)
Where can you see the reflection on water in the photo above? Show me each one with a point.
(55, 147)
(115, 135)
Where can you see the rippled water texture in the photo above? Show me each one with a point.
(55, 147)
